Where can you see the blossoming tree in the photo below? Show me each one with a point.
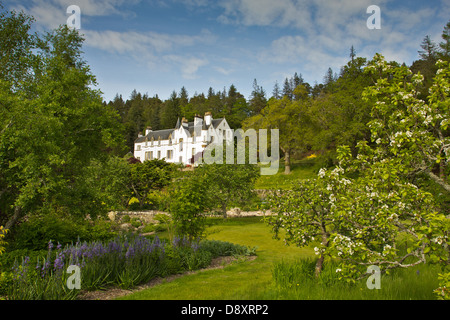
(366, 211)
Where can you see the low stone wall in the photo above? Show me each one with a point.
(149, 216)
(146, 216)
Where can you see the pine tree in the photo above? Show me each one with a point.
(171, 111)
(287, 89)
(445, 44)
(352, 53)
(276, 93)
(429, 49)
(258, 98)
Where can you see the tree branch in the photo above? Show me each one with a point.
(438, 180)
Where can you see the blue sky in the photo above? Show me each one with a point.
(157, 47)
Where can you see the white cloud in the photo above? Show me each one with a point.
(155, 50)
(282, 13)
(187, 64)
(52, 13)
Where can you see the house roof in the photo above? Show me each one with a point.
(165, 134)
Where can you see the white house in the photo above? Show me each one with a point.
(184, 144)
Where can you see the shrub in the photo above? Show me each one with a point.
(2, 242)
(223, 248)
(126, 218)
(35, 233)
(443, 292)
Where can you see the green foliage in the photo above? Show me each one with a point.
(124, 261)
(3, 232)
(289, 275)
(149, 176)
(227, 184)
(35, 233)
(224, 248)
(187, 204)
(443, 291)
(364, 209)
(54, 126)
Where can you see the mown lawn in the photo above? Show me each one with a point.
(240, 280)
(300, 169)
(252, 280)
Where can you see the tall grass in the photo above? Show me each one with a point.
(295, 280)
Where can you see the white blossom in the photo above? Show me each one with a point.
(321, 173)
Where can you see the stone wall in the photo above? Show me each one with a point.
(146, 216)
(149, 216)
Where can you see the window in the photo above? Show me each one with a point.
(159, 154)
(152, 141)
(193, 151)
(159, 141)
(149, 155)
(181, 144)
(138, 147)
(169, 154)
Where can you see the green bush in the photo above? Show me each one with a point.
(6, 280)
(35, 233)
(223, 248)
(8, 259)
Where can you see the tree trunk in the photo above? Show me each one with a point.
(319, 266)
(224, 210)
(16, 216)
(319, 263)
(287, 161)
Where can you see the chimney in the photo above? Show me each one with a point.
(148, 130)
(184, 122)
(140, 135)
(208, 118)
(198, 121)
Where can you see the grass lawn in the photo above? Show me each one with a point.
(240, 280)
(300, 169)
(252, 280)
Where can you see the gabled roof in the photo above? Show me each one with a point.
(215, 122)
(163, 134)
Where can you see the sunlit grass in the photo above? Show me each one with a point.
(236, 281)
(253, 280)
(301, 169)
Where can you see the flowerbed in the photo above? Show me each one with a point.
(125, 262)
